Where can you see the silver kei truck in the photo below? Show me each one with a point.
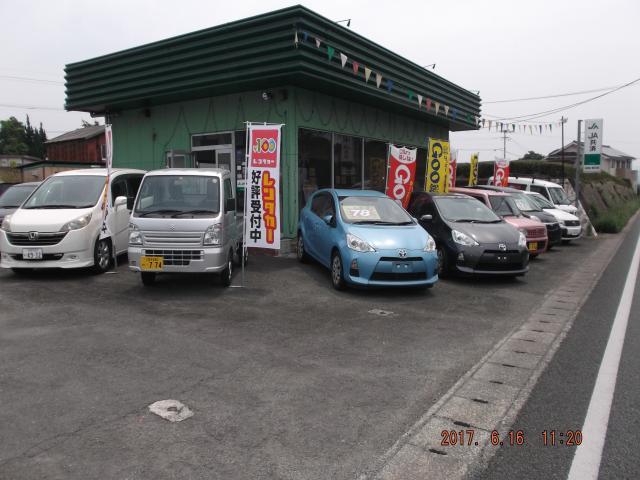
(184, 221)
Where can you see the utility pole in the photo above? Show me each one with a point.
(562, 122)
(504, 148)
(578, 165)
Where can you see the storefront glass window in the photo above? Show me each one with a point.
(314, 162)
(347, 170)
(211, 139)
(375, 165)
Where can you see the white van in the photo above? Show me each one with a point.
(184, 221)
(58, 225)
(569, 223)
(551, 191)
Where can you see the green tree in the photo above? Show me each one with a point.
(531, 155)
(13, 138)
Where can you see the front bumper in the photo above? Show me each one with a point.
(489, 259)
(75, 250)
(384, 268)
(571, 233)
(181, 260)
(540, 244)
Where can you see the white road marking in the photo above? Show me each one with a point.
(586, 461)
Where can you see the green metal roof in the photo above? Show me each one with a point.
(257, 53)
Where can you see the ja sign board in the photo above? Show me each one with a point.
(592, 144)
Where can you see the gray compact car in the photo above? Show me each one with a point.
(13, 197)
(184, 221)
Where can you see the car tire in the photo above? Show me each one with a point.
(443, 262)
(337, 271)
(102, 256)
(148, 278)
(239, 256)
(227, 274)
(301, 254)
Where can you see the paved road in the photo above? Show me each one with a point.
(561, 398)
(287, 378)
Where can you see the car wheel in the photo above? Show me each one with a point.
(239, 256)
(300, 251)
(102, 257)
(337, 277)
(227, 273)
(148, 278)
(443, 266)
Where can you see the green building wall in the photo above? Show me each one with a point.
(141, 137)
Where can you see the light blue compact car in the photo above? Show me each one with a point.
(365, 238)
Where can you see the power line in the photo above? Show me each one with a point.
(31, 107)
(30, 79)
(551, 96)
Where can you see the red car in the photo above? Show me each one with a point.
(503, 205)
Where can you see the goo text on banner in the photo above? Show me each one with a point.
(473, 170)
(501, 173)
(402, 172)
(437, 166)
(262, 224)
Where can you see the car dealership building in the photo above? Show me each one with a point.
(342, 99)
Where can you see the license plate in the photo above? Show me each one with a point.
(32, 254)
(533, 246)
(151, 263)
(402, 267)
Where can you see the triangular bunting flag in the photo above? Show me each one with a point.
(295, 39)
(540, 129)
(468, 116)
(437, 107)
(367, 74)
(483, 123)
(428, 104)
(530, 129)
(330, 52)
(446, 110)
(318, 42)
(356, 66)
(489, 123)
(378, 80)
(343, 59)
(513, 125)
(419, 101)
(410, 94)
(389, 85)
(305, 36)
(550, 128)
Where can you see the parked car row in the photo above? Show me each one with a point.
(184, 220)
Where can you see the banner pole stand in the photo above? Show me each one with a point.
(244, 249)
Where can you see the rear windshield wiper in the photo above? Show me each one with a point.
(193, 212)
(159, 212)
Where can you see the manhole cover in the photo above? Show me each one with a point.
(381, 313)
(171, 410)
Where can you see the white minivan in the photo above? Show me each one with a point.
(550, 190)
(58, 225)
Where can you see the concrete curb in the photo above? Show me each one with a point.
(489, 396)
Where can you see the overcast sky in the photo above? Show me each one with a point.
(505, 49)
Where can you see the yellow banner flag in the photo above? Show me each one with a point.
(473, 170)
(437, 166)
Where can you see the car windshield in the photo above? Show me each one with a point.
(558, 196)
(15, 195)
(460, 209)
(524, 203)
(67, 191)
(175, 195)
(373, 210)
(543, 202)
(504, 206)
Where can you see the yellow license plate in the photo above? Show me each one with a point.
(533, 246)
(151, 263)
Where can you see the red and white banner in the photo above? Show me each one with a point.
(402, 173)
(262, 192)
(105, 232)
(453, 165)
(501, 173)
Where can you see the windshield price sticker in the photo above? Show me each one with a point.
(356, 212)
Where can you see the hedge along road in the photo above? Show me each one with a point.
(286, 378)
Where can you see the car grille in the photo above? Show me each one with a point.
(45, 257)
(503, 252)
(176, 257)
(399, 277)
(572, 223)
(186, 239)
(44, 239)
(552, 227)
(400, 259)
(488, 261)
(536, 232)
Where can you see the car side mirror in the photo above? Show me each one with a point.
(328, 219)
(119, 202)
(426, 218)
(229, 205)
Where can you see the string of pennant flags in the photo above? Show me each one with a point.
(423, 101)
(530, 128)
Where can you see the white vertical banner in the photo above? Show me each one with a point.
(105, 232)
(592, 144)
(262, 221)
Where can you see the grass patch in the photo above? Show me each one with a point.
(615, 218)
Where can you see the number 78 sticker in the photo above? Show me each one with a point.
(353, 212)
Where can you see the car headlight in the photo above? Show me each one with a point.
(561, 222)
(357, 244)
(77, 224)
(431, 244)
(213, 235)
(135, 237)
(522, 240)
(533, 217)
(463, 239)
(6, 223)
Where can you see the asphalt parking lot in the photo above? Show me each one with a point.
(287, 378)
